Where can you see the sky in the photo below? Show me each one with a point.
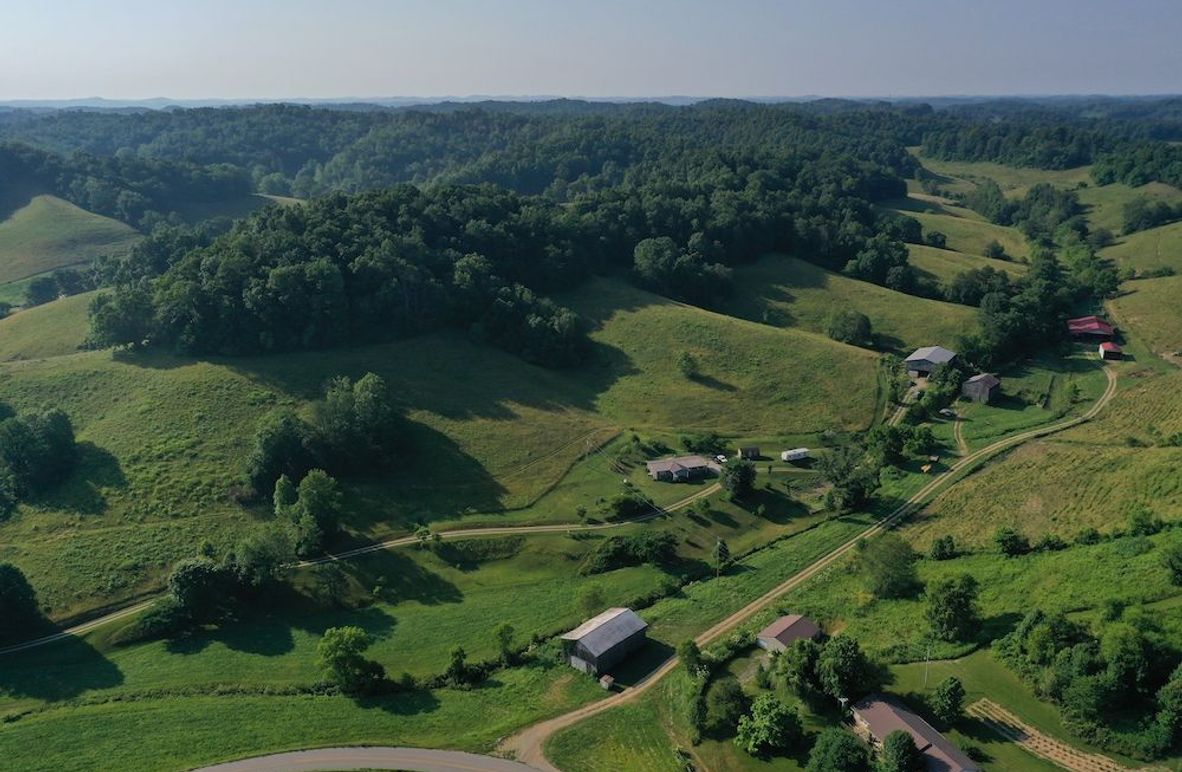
(275, 49)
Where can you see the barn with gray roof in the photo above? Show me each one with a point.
(605, 640)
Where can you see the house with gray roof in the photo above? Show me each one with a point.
(876, 717)
(924, 361)
(605, 640)
(682, 468)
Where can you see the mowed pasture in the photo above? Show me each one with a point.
(1153, 309)
(1148, 250)
(1014, 181)
(791, 293)
(48, 233)
(55, 329)
(967, 232)
(943, 265)
(1105, 203)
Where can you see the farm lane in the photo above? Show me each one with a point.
(528, 745)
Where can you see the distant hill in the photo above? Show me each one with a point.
(47, 233)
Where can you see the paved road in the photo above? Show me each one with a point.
(528, 745)
(418, 759)
(403, 541)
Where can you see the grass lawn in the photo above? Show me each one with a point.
(188, 731)
(967, 231)
(943, 265)
(48, 232)
(791, 293)
(1152, 308)
(1159, 247)
(54, 329)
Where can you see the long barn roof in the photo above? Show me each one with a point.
(601, 633)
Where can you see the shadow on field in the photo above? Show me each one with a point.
(402, 703)
(641, 663)
(59, 671)
(82, 490)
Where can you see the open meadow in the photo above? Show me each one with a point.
(47, 233)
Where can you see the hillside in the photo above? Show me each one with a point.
(967, 231)
(1151, 249)
(1106, 203)
(942, 265)
(1152, 308)
(791, 293)
(50, 330)
(49, 233)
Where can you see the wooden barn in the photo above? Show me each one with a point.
(605, 640)
(924, 361)
(981, 388)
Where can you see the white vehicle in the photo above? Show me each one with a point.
(720, 459)
(798, 454)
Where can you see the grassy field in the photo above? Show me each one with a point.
(967, 231)
(1159, 247)
(943, 265)
(188, 731)
(54, 329)
(791, 293)
(1151, 308)
(48, 233)
(1145, 411)
(1106, 203)
(1014, 181)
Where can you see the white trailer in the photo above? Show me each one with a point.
(799, 454)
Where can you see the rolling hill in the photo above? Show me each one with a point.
(1151, 249)
(942, 265)
(48, 233)
(49, 330)
(791, 293)
(1152, 308)
(1106, 203)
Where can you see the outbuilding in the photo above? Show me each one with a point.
(876, 717)
(1109, 350)
(981, 387)
(924, 361)
(786, 630)
(604, 641)
(1090, 328)
(796, 454)
(750, 453)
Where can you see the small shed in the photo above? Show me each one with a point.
(924, 361)
(781, 634)
(1109, 350)
(605, 640)
(981, 387)
(796, 454)
(750, 452)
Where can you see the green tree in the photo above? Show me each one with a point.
(853, 475)
(320, 499)
(1171, 558)
(458, 673)
(952, 608)
(798, 665)
(843, 670)
(1010, 543)
(888, 565)
(900, 754)
(943, 548)
(948, 700)
(18, 602)
(284, 497)
(725, 705)
(721, 556)
(504, 635)
(849, 326)
(340, 655)
(771, 727)
(261, 558)
(836, 750)
(995, 250)
(41, 290)
(282, 445)
(690, 656)
(199, 586)
(687, 364)
(738, 478)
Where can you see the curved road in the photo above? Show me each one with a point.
(528, 745)
(402, 541)
(417, 759)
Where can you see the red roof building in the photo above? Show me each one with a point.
(1090, 327)
(1109, 350)
(780, 634)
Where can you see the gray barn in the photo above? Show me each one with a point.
(923, 361)
(601, 642)
(981, 388)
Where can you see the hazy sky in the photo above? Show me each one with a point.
(332, 48)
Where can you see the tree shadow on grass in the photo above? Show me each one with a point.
(60, 670)
(641, 662)
(82, 491)
(997, 626)
(408, 703)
